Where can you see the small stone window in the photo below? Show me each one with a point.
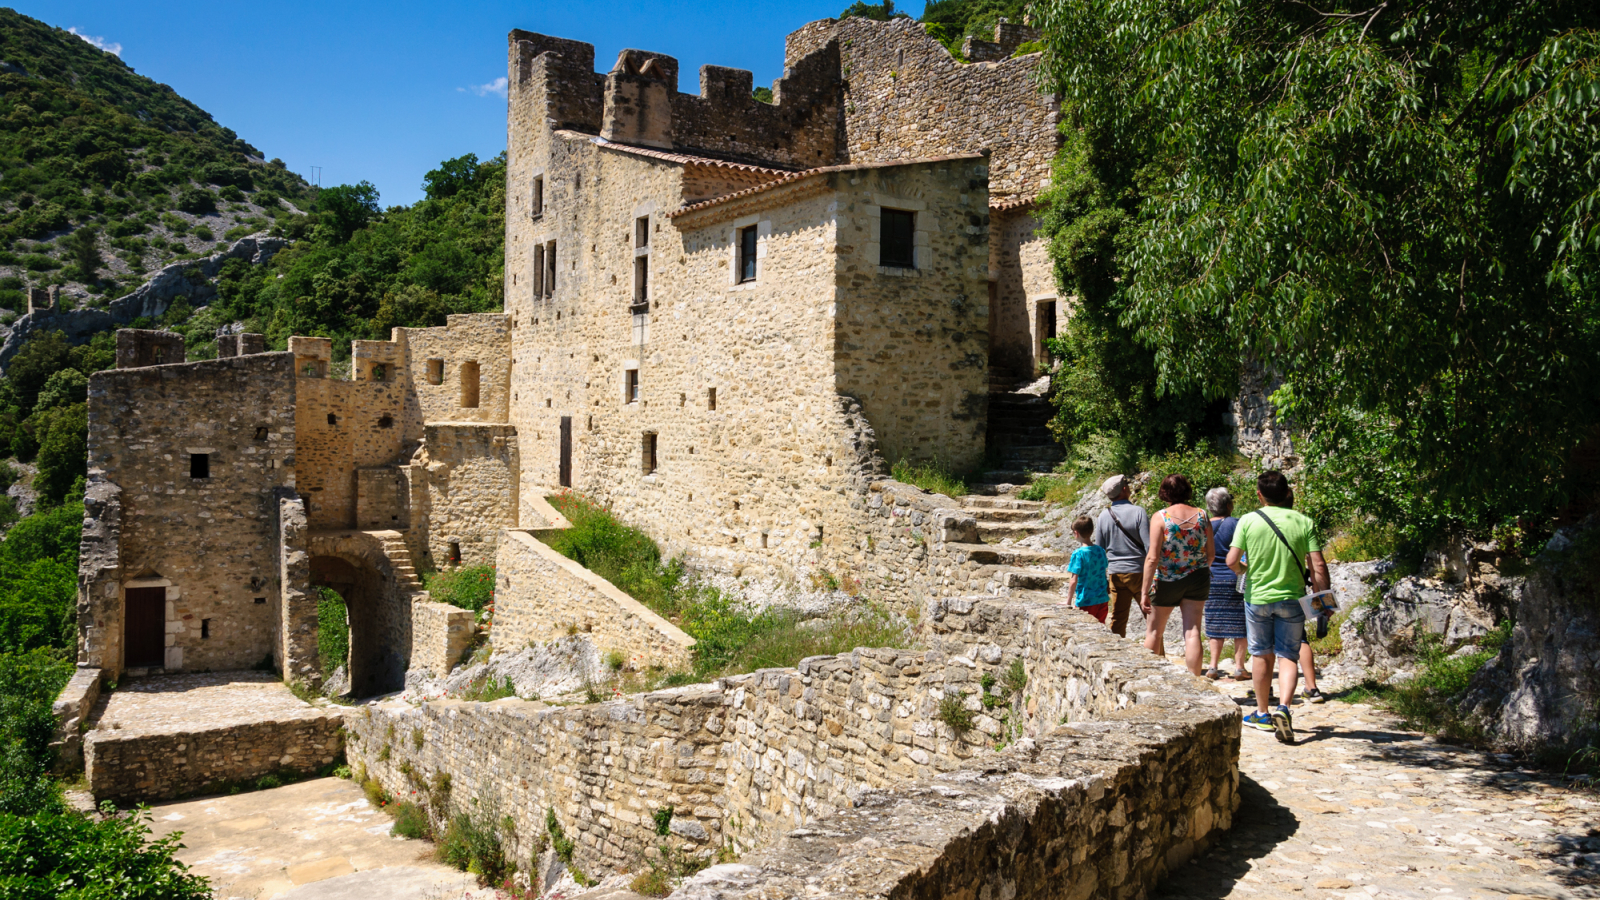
(896, 239)
(711, 398)
(550, 269)
(199, 465)
(747, 254)
(205, 629)
(455, 553)
(647, 456)
(159, 355)
(641, 232)
(469, 384)
(333, 419)
(261, 601)
(386, 421)
(261, 432)
(311, 370)
(630, 386)
(436, 371)
(380, 372)
(538, 271)
(538, 196)
(641, 283)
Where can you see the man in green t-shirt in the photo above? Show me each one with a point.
(1282, 548)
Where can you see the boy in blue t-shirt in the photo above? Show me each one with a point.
(1086, 572)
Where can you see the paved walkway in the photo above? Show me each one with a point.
(176, 704)
(1361, 809)
(314, 840)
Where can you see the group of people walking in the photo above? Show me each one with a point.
(1234, 578)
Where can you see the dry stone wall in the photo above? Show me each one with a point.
(464, 491)
(1111, 756)
(133, 766)
(441, 634)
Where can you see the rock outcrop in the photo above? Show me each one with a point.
(194, 280)
(1382, 637)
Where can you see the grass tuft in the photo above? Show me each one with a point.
(933, 475)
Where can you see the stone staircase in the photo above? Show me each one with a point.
(1018, 436)
(1009, 566)
(394, 547)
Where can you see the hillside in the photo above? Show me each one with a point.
(106, 175)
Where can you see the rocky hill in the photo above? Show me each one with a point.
(107, 176)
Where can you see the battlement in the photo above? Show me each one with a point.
(638, 102)
(137, 348)
(1007, 38)
(240, 344)
(312, 356)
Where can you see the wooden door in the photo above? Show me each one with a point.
(144, 628)
(566, 451)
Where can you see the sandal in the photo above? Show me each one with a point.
(1241, 675)
(1213, 674)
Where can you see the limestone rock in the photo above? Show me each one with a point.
(1383, 636)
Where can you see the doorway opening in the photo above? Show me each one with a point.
(354, 621)
(144, 627)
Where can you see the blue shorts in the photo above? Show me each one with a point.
(1277, 628)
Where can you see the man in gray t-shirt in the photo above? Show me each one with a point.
(1122, 530)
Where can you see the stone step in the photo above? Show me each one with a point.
(1033, 580)
(1018, 516)
(994, 532)
(972, 502)
(992, 555)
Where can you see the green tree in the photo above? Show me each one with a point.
(83, 246)
(346, 208)
(63, 436)
(880, 12)
(452, 177)
(1392, 205)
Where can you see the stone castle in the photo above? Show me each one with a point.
(723, 317)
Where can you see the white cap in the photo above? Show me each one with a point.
(1113, 486)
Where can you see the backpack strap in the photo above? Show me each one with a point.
(1304, 577)
(1135, 539)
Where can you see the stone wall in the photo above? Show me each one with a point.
(209, 542)
(1023, 279)
(1130, 762)
(433, 360)
(133, 766)
(906, 97)
(440, 635)
(71, 710)
(464, 491)
(541, 595)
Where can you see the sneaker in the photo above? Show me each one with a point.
(1283, 724)
(1315, 696)
(1259, 721)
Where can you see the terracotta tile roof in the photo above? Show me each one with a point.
(792, 177)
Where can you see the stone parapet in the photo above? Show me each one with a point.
(440, 635)
(140, 767)
(541, 595)
(1107, 755)
(71, 709)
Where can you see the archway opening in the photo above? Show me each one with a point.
(356, 591)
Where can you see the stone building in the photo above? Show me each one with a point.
(723, 317)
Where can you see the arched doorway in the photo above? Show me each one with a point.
(375, 667)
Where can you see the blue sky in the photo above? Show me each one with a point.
(384, 91)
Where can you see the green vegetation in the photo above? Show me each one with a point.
(1383, 203)
(486, 688)
(410, 821)
(89, 147)
(934, 475)
(468, 587)
(473, 846)
(1431, 700)
(333, 631)
(728, 637)
(953, 713)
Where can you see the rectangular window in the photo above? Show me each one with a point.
(711, 398)
(648, 452)
(436, 371)
(895, 239)
(550, 269)
(538, 271)
(641, 232)
(630, 386)
(199, 465)
(469, 385)
(538, 196)
(747, 254)
(205, 629)
(641, 283)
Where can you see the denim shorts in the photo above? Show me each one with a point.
(1277, 628)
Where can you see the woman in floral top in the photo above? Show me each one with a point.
(1177, 570)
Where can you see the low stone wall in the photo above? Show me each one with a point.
(440, 635)
(541, 595)
(1112, 754)
(72, 708)
(128, 767)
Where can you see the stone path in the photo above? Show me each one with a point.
(175, 704)
(314, 840)
(1361, 809)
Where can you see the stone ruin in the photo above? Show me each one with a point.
(727, 317)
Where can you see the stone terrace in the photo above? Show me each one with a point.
(172, 735)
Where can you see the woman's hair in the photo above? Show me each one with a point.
(1275, 488)
(1083, 527)
(1175, 489)
(1219, 502)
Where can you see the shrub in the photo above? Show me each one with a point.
(953, 712)
(934, 475)
(333, 631)
(473, 847)
(468, 587)
(67, 856)
(197, 201)
(410, 821)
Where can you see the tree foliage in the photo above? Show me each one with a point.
(1392, 205)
